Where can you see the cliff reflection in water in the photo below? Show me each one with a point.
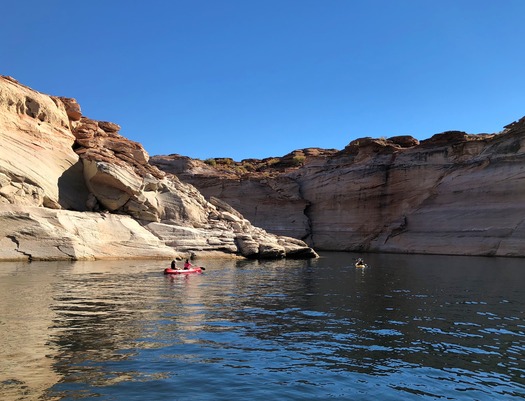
(58, 315)
(309, 329)
(26, 356)
(401, 312)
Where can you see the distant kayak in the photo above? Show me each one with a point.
(191, 270)
(360, 265)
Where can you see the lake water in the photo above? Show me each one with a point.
(404, 328)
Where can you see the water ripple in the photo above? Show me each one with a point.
(260, 330)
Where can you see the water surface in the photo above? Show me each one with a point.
(405, 328)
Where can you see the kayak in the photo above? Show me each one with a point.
(360, 265)
(191, 270)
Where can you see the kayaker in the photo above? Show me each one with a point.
(187, 265)
(173, 265)
(360, 262)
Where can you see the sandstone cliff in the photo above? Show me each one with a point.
(74, 188)
(451, 194)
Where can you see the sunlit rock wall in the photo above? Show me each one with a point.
(451, 194)
(74, 188)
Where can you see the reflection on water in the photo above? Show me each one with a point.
(26, 297)
(406, 327)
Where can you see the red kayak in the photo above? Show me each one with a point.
(191, 270)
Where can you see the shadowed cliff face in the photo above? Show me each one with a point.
(74, 188)
(451, 194)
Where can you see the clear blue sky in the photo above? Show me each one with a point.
(260, 78)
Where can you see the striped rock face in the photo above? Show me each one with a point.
(73, 188)
(37, 163)
(454, 193)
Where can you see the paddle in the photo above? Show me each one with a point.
(187, 264)
(196, 267)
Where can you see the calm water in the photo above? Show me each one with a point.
(405, 328)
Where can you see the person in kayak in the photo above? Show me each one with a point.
(187, 265)
(360, 263)
(173, 264)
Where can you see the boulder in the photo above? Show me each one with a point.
(38, 233)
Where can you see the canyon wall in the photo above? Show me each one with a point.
(73, 188)
(454, 193)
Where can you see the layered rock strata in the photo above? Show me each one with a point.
(454, 193)
(74, 188)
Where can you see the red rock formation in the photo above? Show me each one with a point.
(454, 193)
(78, 167)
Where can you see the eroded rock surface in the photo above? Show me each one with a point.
(454, 193)
(74, 188)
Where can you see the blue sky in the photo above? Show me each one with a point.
(260, 78)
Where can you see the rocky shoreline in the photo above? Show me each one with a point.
(454, 194)
(72, 188)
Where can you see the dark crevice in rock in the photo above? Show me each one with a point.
(13, 238)
(72, 257)
(15, 241)
(307, 237)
